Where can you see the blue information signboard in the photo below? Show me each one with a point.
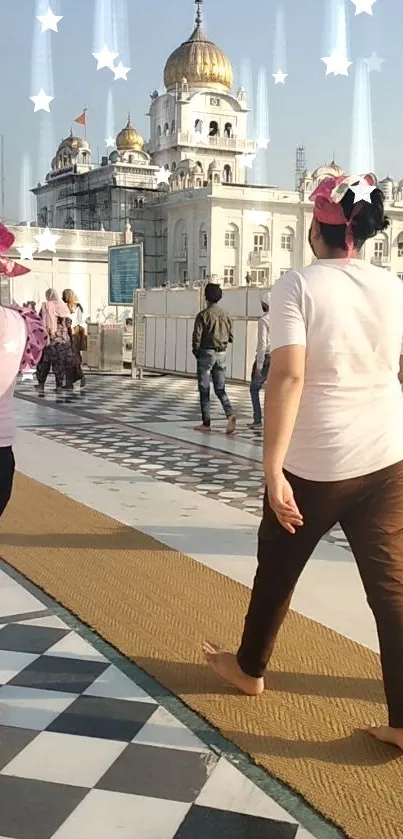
(125, 274)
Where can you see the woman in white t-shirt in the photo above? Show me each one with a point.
(333, 447)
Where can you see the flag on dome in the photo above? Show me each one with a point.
(82, 119)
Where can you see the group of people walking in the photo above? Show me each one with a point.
(333, 422)
(212, 333)
(64, 324)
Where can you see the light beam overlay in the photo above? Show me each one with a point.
(104, 28)
(336, 36)
(247, 84)
(27, 211)
(261, 164)
(362, 143)
(42, 79)
(280, 47)
(110, 128)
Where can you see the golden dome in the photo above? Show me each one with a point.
(129, 139)
(199, 61)
(73, 143)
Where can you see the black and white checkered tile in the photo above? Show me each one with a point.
(154, 399)
(160, 400)
(86, 754)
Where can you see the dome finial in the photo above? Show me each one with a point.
(199, 13)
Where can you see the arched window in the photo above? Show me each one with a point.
(261, 240)
(199, 182)
(400, 245)
(180, 239)
(227, 174)
(159, 131)
(166, 129)
(216, 179)
(214, 130)
(173, 167)
(228, 130)
(165, 242)
(203, 238)
(287, 239)
(231, 236)
(173, 127)
(380, 248)
(199, 126)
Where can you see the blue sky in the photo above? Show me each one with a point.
(310, 108)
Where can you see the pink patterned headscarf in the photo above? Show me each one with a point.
(36, 335)
(8, 266)
(327, 199)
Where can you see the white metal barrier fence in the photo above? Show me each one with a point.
(163, 325)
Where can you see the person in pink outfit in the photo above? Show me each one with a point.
(22, 339)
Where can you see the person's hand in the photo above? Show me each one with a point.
(282, 502)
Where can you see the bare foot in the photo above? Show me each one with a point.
(204, 429)
(226, 666)
(231, 424)
(387, 734)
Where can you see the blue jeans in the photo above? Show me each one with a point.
(212, 365)
(256, 385)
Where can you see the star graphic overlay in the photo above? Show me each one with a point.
(26, 251)
(246, 160)
(121, 71)
(362, 191)
(374, 63)
(279, 77)
(110, 142)
(105, 58)
(363, 6)
(337, 64)
(262, 143)
(47, 241)
(50, 20)
(41, 101)
(163, 175)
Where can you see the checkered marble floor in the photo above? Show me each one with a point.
(154, 399)
(157, 400)
(86, 753)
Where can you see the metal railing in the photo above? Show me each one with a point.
(259, 258)
(70, 239)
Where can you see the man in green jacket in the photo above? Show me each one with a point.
(211, 335)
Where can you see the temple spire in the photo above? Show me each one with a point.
(199, 13)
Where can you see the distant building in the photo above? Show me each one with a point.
(208, 221)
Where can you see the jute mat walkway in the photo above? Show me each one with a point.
(156, 605)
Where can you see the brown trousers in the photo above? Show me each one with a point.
(370, 512)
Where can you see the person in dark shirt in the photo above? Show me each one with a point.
(212, 333)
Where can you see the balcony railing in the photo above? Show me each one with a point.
(96, 240)
(194, 138)
(381, 260)
(257, 258)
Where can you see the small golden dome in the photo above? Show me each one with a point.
(73, 143)
(199, 61)
(129, 139)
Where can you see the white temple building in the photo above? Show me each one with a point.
(207, 221)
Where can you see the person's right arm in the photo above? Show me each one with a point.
(261, 345)
(197, 334)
